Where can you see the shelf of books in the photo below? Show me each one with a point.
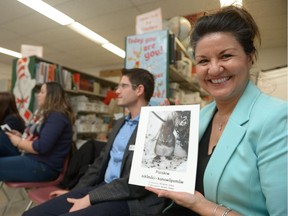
(86, 92)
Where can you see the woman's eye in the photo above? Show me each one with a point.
(202, 61)
(226, 56)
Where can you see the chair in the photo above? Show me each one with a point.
(29, 185)
(41, 195)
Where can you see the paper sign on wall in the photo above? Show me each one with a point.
(30, 50)
(148, 22)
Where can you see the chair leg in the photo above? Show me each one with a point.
(11, 200)
(29, 205)
(4, 191)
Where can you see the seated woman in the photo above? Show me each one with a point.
(46, 143)
(9, 115)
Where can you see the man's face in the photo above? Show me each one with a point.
(127, 96)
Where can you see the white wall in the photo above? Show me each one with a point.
(274, 82)
(272, 58)
(5, 71)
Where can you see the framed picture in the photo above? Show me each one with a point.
(166, 148)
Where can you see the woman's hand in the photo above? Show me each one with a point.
(14, 138)
(30, 137)
(23, 144)
(187, 200)
(17, 133)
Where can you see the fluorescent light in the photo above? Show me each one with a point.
(114, 49)
(63, 19)
(10, 52)
(79, 28)
(48, 11)
(231, 2)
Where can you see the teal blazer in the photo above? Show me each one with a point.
(248, 168)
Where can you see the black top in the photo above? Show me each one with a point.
(203, 159)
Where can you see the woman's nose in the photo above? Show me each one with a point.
(215, 68)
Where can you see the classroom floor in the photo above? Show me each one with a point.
(19, 204)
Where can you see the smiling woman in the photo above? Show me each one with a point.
(242, 158)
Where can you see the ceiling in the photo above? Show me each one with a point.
(113, 20)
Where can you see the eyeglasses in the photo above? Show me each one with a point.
(124, 85)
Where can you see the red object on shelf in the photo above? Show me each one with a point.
(109, 95)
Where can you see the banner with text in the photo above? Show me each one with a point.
(150, 51)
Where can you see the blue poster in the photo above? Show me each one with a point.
(150, 51)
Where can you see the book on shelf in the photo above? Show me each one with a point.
(50, 76)
(86, 85)
(45, 72)
(66, 79)
(76, 81)
(166, 148)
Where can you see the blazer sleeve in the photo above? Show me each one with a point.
(272, 161)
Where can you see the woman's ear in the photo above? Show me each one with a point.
(251, 58)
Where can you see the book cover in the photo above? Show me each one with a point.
(76, 81)
(166, 148)
(50, 72)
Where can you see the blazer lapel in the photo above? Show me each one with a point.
(230, 139)
(116, 128)
(127, 151)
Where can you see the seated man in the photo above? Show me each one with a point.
(104, 189)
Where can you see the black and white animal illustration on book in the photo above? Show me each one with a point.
(165, 143)
(167, 140)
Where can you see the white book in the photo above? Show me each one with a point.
(166, 148)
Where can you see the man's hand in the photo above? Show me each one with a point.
(79, 204)
(57, 193)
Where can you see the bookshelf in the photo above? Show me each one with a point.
(85, 91)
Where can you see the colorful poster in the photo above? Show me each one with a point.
(150, 51)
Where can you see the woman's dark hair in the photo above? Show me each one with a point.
(56, 101)
(37, 88)
(8, 107)
(139, 76)
(231, 19)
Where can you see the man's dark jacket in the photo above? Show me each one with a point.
(140, 201)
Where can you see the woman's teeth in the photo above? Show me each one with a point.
(217, 81)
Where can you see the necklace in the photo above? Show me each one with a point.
(222, 124)
(220, 127)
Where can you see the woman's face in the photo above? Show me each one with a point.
(222, 66)
(42, 95)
